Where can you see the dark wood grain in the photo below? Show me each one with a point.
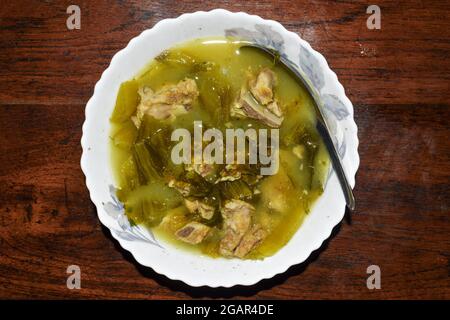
(397, 78)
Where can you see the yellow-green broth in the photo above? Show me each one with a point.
(220, 67)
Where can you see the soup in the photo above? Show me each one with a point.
(226, 209)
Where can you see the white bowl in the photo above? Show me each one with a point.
(194, 269)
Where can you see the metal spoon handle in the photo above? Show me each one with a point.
(336, 162)
(324, 131)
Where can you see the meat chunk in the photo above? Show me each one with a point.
(205, 170)
(168, 102)
(182, 93)
(182, 187)
(251, 239)
(259, 102)
(196, 206)
(237, 218)
(275, 109)
(247, 106)
(193, 232)
(229, 173)
(262, 86)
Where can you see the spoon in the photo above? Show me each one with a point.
(321, 125)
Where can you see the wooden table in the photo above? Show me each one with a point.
(397, 78)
